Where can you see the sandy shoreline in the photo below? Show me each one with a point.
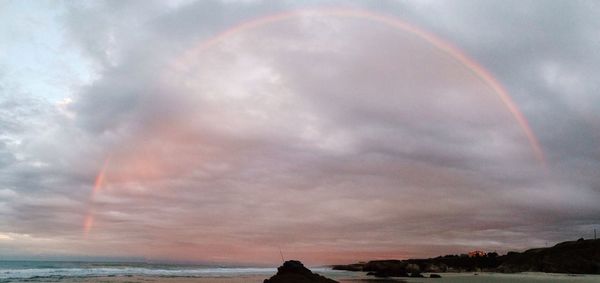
(240, 279)
(142, 279)
(360, 277)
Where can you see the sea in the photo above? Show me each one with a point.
(106, 272)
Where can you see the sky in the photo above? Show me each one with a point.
(334, 131)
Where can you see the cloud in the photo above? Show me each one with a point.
(338, 139)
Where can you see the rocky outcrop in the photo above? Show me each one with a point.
(293, 271)
(386, 268)
(580, 257)
(577, 257)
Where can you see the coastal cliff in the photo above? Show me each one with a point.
(576, 257)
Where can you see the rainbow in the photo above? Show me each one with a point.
(440, 44)
(88, 222)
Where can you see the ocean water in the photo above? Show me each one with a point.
(56, 271)
(70, 271)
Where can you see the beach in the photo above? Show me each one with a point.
(119, 272)
(345, 278)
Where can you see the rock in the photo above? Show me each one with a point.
(435, 267)
(293, 271)
(413, 268)
(577, 257)
(386, 268)
(417, 275)
(388, 273)
(573, 257)
(435, 276)
(349, 267)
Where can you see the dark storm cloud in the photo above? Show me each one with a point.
(276, 136)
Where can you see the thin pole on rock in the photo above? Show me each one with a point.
(281, 253)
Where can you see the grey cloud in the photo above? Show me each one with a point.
(324, 136)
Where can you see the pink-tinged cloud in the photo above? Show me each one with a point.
(255, 155)
(439, 43)
(236, 129)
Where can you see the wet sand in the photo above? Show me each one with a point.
(344, 278)
(241, 279)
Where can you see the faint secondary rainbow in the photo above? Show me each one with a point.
(441, 44)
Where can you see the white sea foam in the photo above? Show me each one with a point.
(24, 273)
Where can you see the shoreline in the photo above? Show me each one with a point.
(448, 277)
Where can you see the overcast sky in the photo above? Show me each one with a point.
(212, 136)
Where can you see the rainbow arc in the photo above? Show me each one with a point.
(440, 44)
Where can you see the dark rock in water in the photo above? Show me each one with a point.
(386, 268)
(435, 276)
(417, 275)
(388, 273)
(293, 271)
(376, 265)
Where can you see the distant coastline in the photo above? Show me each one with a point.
(572, 257)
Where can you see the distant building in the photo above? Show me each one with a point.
(477, 253)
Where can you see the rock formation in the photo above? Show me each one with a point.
(293, 271)
(580, 257)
